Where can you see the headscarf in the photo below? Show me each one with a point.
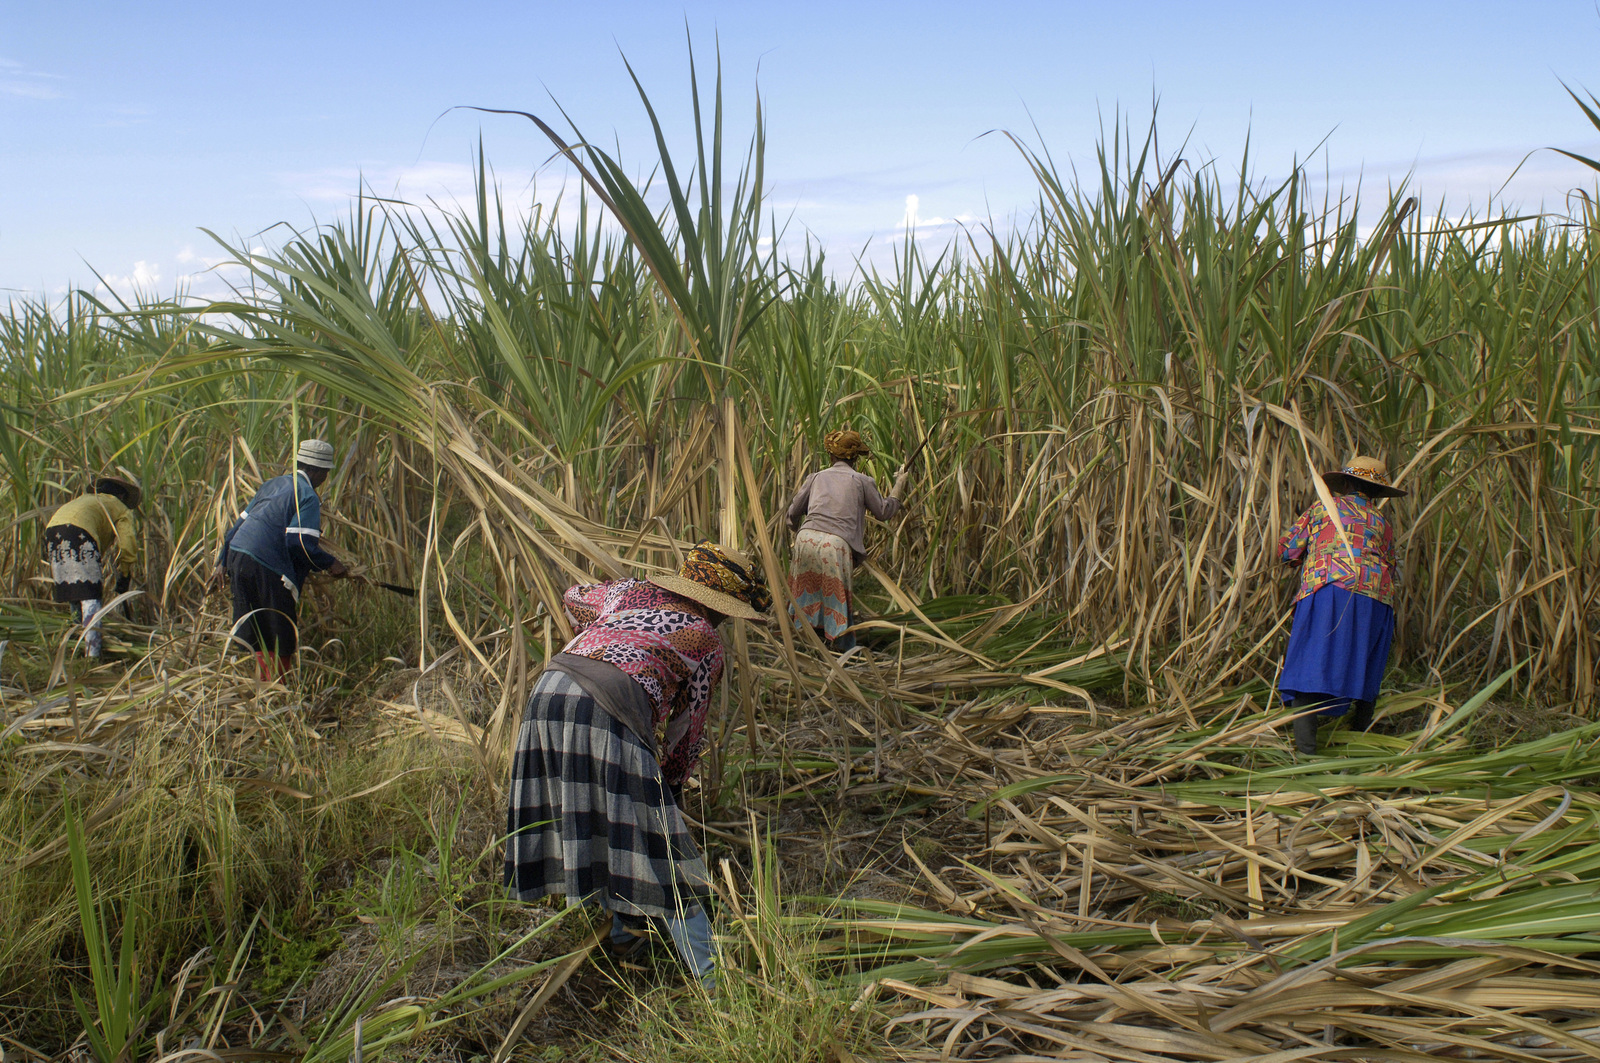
(845, 444)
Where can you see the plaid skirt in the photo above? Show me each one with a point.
(589, 815)
(819, 581)
(75, 563)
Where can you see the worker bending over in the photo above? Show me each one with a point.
(270, 550)
(82, 537)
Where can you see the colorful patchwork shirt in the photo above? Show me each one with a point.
(1315, 544)
(666, 644)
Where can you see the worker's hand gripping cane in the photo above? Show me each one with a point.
(901, 475)
(340, 570)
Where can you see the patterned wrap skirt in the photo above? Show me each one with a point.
(74, 563)
(589, 815)
(819, 581)
(1338, 650)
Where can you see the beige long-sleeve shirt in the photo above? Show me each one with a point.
(109, 522)
(836, 500)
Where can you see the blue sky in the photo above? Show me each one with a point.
(129, 127)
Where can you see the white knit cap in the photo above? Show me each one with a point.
(317, 453)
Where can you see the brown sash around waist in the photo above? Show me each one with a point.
(615, 691)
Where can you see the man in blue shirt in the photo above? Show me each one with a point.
(268, 552)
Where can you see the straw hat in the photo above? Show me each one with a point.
(720, 579)
(845, 444)
(131, 493)
(317, 453)
(1368, 473)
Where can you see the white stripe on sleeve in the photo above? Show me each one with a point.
(314, 533)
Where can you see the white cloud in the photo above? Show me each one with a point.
(127, 117)
(449, 182)
(431, 191)
(216, 278)
(1465, 185)
(144, 278)
(913, 219)
(21, 81)
(29, 90)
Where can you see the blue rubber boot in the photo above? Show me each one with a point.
(92, 637)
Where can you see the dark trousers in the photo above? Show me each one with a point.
(265, 608)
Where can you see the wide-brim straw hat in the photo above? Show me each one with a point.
(1362, 471)
(134, 493)
(720, 579)
(317, 453)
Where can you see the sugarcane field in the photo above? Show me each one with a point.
(608, 626)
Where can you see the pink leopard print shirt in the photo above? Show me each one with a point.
(664, 641)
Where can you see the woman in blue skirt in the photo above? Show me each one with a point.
(1344, 612)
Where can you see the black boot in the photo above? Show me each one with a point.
(1305, 734)
(1360, 715)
